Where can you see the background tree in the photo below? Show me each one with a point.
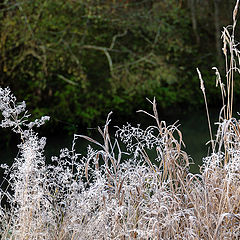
(77, 60)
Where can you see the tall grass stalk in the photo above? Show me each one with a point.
(116, 190)
(206, 105)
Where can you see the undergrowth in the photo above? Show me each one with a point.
(116, 191)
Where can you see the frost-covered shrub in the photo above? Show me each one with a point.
(118, 192)
(100, 195)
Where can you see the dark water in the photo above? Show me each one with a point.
(195, 130)
(193, 126)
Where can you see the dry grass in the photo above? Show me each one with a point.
(116, 191)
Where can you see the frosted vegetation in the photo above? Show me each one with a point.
(116, 191)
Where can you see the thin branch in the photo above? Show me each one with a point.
(117, 36)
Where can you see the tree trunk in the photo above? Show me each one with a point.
(218, 41)
(192, 5)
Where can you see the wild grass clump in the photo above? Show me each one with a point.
(116, 191)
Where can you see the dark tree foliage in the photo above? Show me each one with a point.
(76, 60)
